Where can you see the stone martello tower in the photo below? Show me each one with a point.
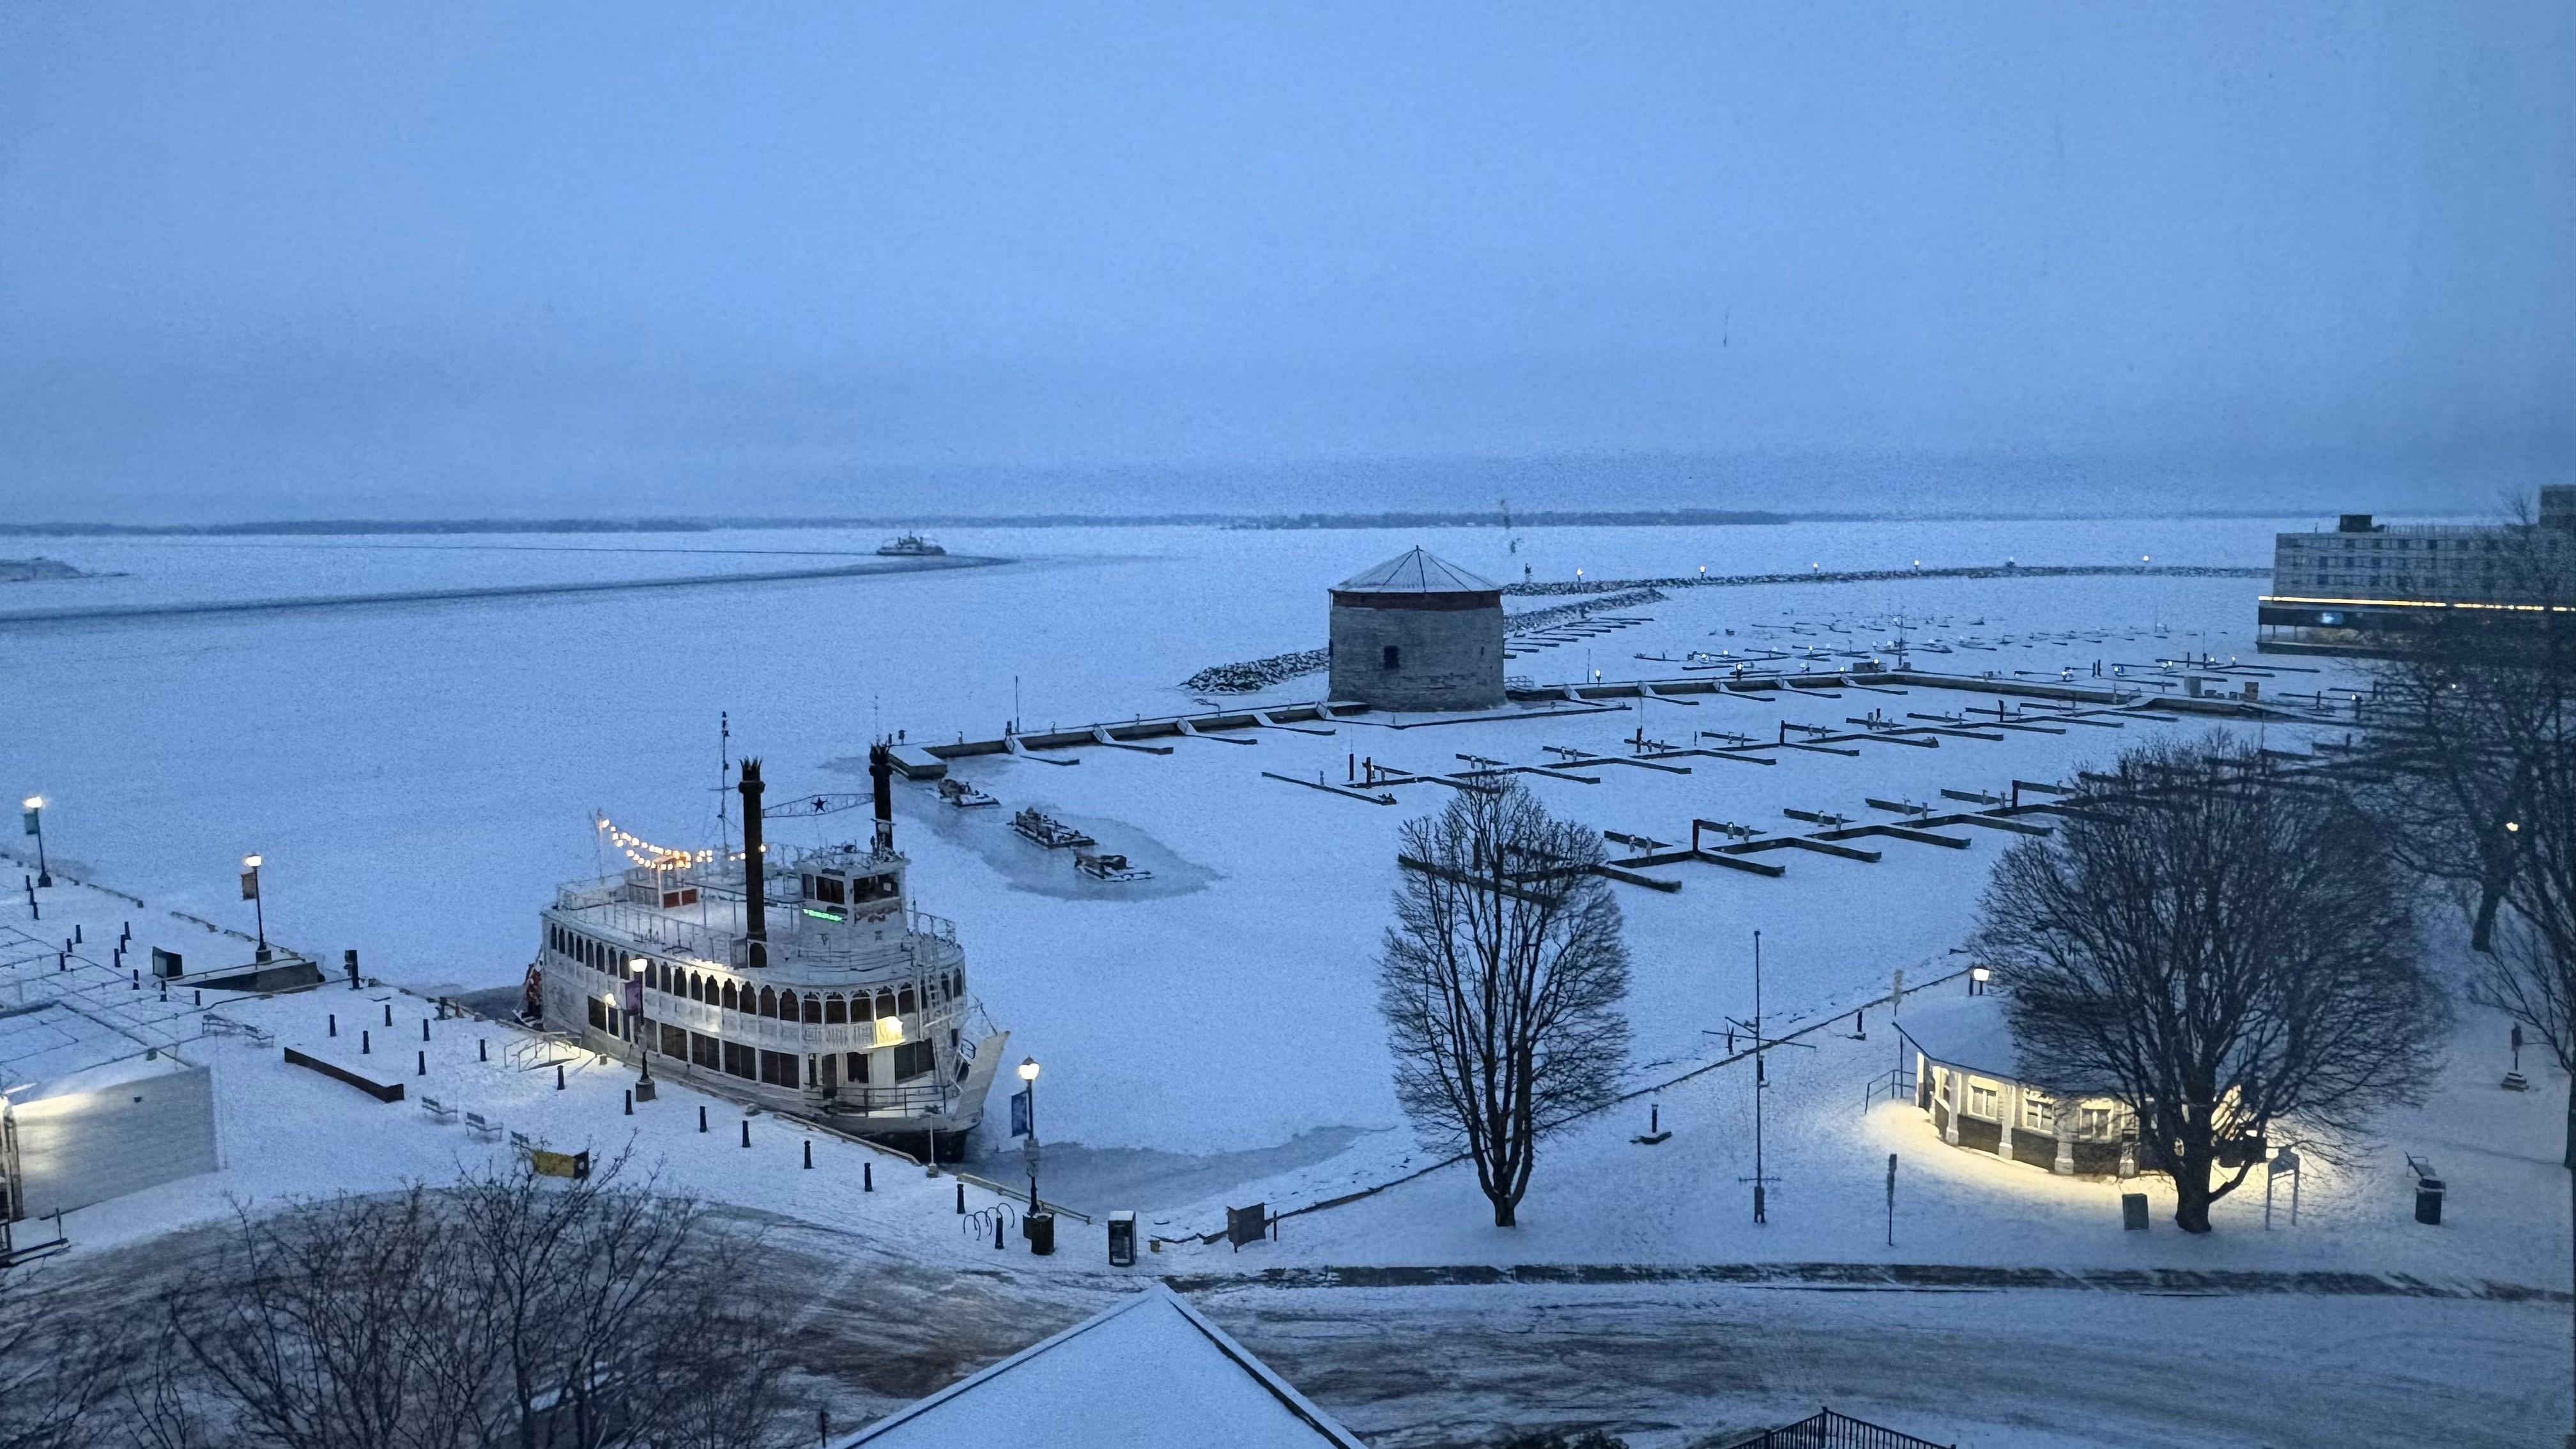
(1415, 633)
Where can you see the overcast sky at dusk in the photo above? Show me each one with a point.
(262, 260)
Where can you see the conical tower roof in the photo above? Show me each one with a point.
(1416, 571)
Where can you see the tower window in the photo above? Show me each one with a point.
(1388, 658)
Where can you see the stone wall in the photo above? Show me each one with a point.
(1445, 658)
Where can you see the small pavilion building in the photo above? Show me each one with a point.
(1968, 1081)
(1417, 633)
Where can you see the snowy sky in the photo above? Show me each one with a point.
(260, 259)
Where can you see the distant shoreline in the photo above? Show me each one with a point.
(324, 602)
(1485, 518)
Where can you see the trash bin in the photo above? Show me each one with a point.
(2428, 1201)
(1040, 1228)
(1122, 1240)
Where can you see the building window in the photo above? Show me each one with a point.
(1388, 657)
(598, 1013)
(858, 1068)
(1984, 1101)
(861, 1008)
(702, 1050)
(780, 1069)
(2038, 1113)
(885, 1003)
(768, 1002)
(738, 1061)
(836, 1012)
(675, 1041)
(2097, 1123)
(813, 1009)
(904, 1005)
(729, 1003)
(912, 1059)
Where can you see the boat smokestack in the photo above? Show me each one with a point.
(881, 771)
(755, 906)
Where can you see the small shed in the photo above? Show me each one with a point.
(1417, 633)
(1968, 1080)
(87, 1115)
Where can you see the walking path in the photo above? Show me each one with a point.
(1910, 1277)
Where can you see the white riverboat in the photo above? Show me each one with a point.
(803, 981)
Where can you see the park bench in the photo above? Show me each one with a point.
(482, 1126)
(437, 1109)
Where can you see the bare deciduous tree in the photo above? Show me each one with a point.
(2473, 742)
(339, 1323)
(1501, 980)
(2231, 951)
(616, 1314)
(508, 1309)
(54, 1366)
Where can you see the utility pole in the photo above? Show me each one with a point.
(1761, 1084)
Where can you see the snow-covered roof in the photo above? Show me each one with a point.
(45, 1041)
(1416, 571)
(1972, 1033)
(1148, 1373)
(1962, 1031)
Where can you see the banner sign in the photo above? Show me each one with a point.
(559, 1164)
(1021, 1113)
(27, 818)
(250, 885)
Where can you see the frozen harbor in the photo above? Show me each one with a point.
(419, 776)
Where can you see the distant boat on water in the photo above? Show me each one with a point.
(910, 545)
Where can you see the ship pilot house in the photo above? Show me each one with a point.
(805, 982)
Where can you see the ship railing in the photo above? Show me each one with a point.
(923, 923)
(672, 936)
(588, 894)
(921, 1099)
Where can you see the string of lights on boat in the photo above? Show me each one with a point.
(660, 857)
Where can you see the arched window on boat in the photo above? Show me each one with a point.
(813, 1009)
(905, 1002)
(729, 1003)
(697, 987)
(836, 1012)
(768, 1002)
(885, 1003)
(861, 1008)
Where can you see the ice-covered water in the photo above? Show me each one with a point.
(419, 777)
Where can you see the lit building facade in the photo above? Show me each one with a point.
(2365, 586)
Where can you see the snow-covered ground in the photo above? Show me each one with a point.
(418, 778)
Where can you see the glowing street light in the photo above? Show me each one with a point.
(1029, 1073)
(639, 1025)
(259, 908)
(1978, 976)
(34, 821)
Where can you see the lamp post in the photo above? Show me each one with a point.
(637, 977)
(1029, 1074)
(259, 908)
(35, 825)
